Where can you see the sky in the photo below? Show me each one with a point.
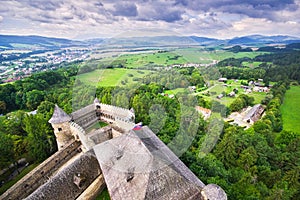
(85, 19)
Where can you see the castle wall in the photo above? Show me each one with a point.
(85, 117)
(117, 112)
(70, 181)
(62, 133)
(91, 139)
(80, 134)
(46, 176)
(101, 135)
(41, 173)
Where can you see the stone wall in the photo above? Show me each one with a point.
(41, 173)
(118, 112)
(71, 180)
(89, 140)
(85, 117)
(62, 133)
(101, 135)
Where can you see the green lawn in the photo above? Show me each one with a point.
(258, 96)
(97, 125)
(291, 109)
(112, 77)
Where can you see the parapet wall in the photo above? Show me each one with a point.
(117, 111)
(80, 135)
(41, 173)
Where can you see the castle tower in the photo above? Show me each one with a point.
(60, 123)
(97, 107)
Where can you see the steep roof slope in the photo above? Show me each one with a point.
(138, 165)
(59, 116)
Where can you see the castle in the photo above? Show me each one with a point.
(131, 163)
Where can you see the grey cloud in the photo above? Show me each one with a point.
(98, 4)
(41, 19)
(169, 16)
(160, 11)
(253, 8)
(125, 9)
(45, 5)
(217, 4)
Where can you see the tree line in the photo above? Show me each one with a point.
(275, 66)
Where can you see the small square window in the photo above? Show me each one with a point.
(59, 129)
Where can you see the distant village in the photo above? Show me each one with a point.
(253, 86)
(15, 65)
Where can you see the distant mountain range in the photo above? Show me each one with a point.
(39, 42)
(260, 39)
(35, 42)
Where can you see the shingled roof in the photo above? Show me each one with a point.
(59, 116)
(83, 111)
(138, 165)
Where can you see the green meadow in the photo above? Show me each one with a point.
(290, 109)
(158, 58)
(178, 56)
(112, 77)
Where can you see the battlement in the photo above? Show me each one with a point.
(118, 112)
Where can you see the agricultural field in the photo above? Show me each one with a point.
(178, 56)
(163, 58)
(290, 109)
(112, 77)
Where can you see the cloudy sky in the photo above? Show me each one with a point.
(82, 19)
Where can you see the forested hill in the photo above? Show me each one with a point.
(40, 42)
(29, 42)
(274, 66)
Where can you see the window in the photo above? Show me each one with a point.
(59, 129)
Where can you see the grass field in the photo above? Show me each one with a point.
(140, 60)
(178, 56)
(291, 109)
(251, 64)
(112, 77)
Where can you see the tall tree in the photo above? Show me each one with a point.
(41, 142)
(6, 150)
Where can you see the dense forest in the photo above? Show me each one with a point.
(262, 162)
(280, 66)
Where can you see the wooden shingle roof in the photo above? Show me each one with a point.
(137, 165)
(59, 116)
